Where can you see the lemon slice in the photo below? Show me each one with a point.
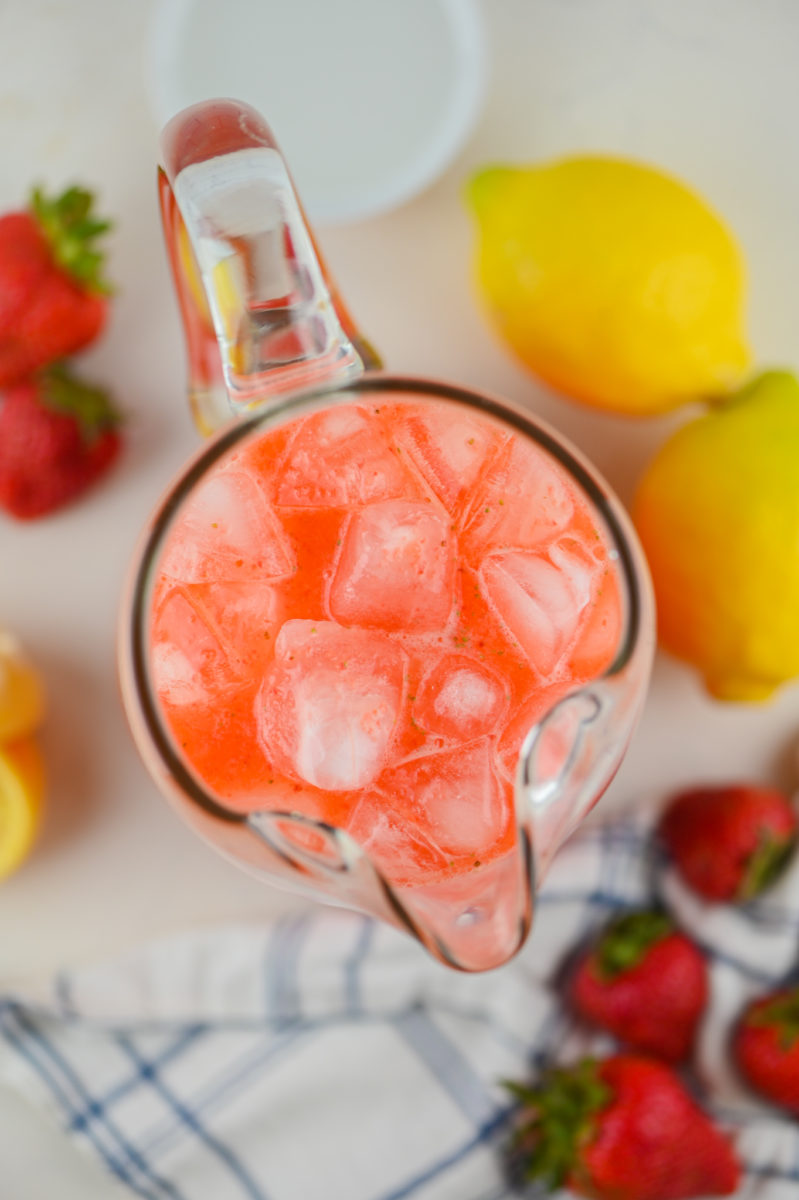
(21, 795)
(21, 691)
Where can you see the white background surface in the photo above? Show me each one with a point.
(707, 88)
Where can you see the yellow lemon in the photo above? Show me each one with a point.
(613, 282)
(717, 511)
(21, 691)
(21, 794)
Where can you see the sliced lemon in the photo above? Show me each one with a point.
(21, 691)
(21, 798)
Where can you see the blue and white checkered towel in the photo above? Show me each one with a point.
(328, 1058)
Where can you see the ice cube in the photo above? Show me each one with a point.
(188, 660)
(244, 617)
(541, 598)
(453, 797)
(602, 628)
(447, 446)
(227, 531)
(460, 698)
(396, 568)
(329, 704)
(340, 457)
(523, 501)
(395, 846)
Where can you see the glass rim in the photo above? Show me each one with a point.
(134, 618)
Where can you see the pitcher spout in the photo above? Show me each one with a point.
(474, 921)
(479, 921)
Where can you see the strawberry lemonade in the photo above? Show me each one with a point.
(359, 615)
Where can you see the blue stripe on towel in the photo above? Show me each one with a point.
(52, 1067)
(137, 1078)
(249, 1188)
(353, 965)
(485, 1134)
(447, 1065)
(283, 1001)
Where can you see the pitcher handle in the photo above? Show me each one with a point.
(260, 311)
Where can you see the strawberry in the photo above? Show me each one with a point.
(622, 1128)
(52, 294)
(644, 982)
(765, 1046)
(729, 843)
(57, 436)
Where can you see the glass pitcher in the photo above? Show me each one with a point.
(415, 733)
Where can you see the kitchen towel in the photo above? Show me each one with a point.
(327, 1057)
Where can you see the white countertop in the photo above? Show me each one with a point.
(706, 88)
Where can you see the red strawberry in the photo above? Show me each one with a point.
(729, 843)
(644, 982)
(766, 1047)
(622, 1128)
(25, 259)
(56, 437)
(52, 294)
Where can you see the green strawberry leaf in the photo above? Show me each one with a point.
(559, 1117)
(72, 232)
(765, 865)
(627, 939)
(783, 1015)
(63, 392)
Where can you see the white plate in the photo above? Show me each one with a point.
(370, 100)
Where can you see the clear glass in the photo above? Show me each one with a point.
(269, 341)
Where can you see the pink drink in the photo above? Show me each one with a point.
(359, 615)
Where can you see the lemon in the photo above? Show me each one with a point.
(717, 511)
(613, 282)
(21, 691)
(21, 793)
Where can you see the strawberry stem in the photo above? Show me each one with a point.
(627, 939)
(765, 864)
(783, 1015)
(72, 231)
(562, 1110)
(63, 392)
